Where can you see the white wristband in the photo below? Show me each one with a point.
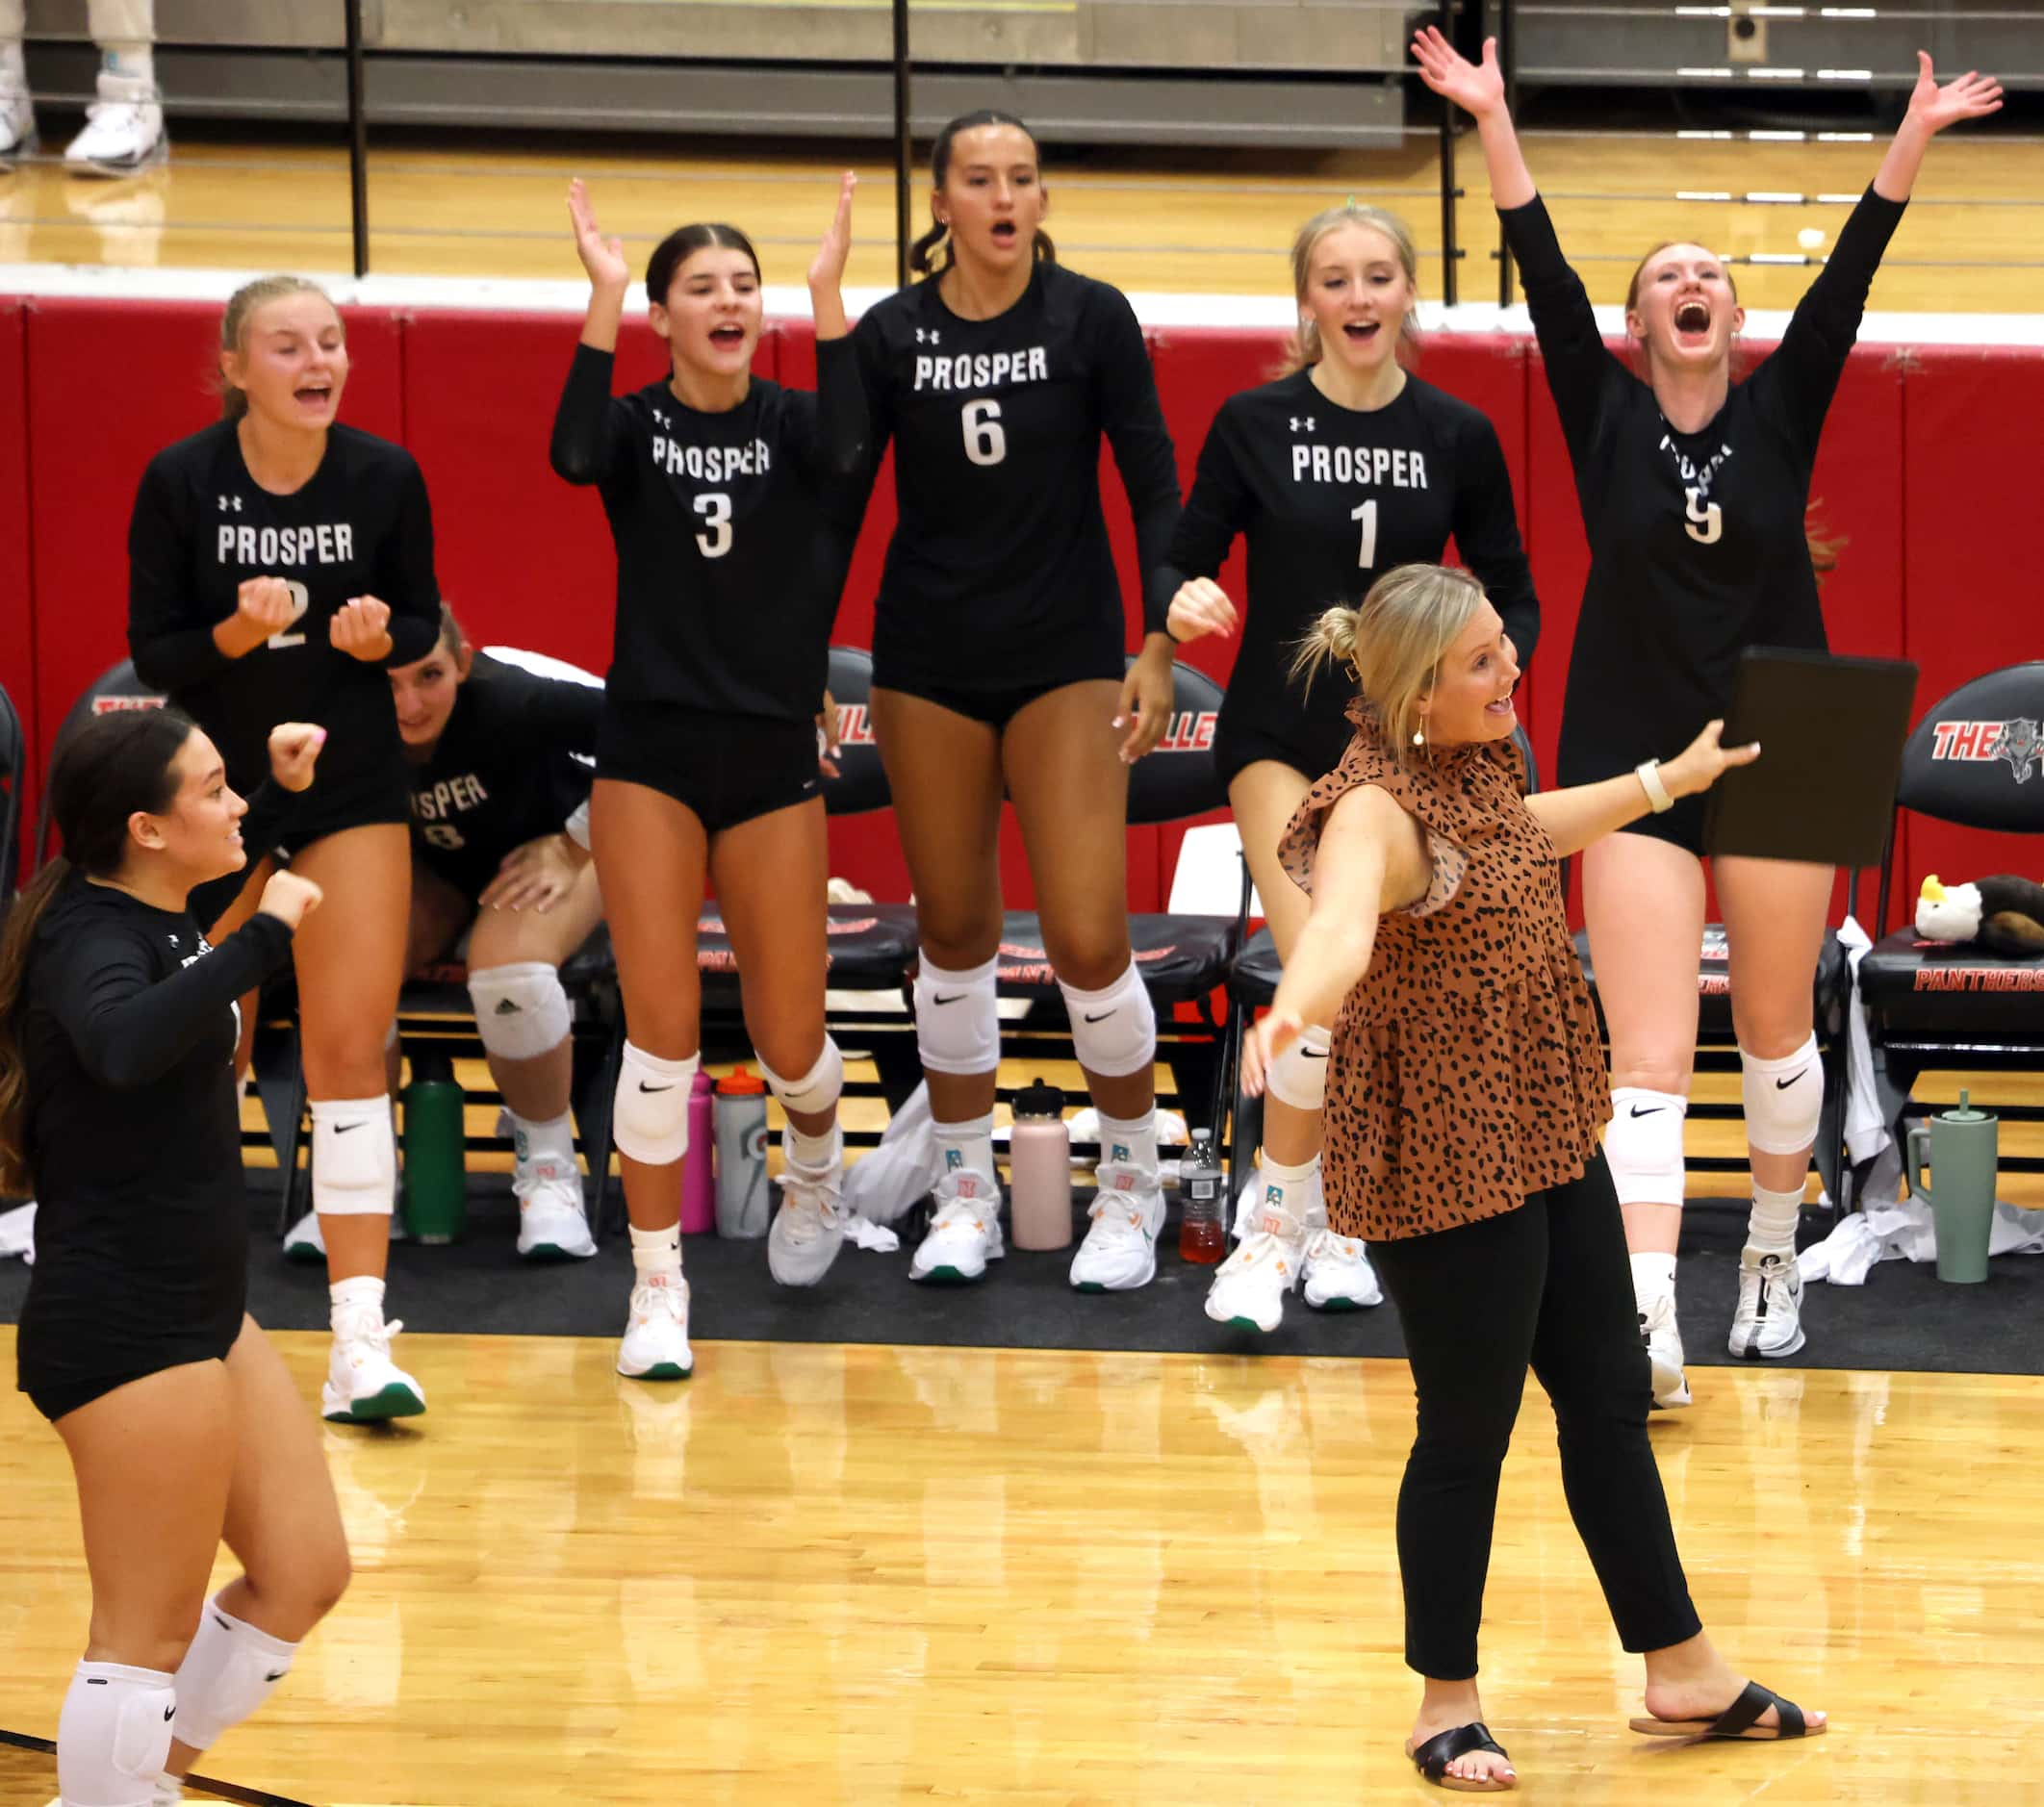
(1648, 772)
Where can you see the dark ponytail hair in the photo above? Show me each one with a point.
(919, 259)
(113, 766)
(681, 243)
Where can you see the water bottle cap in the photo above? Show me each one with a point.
(701, 1083)
(1038, 1100)
(433, 1066)
(1964, 1112)
(744, 1083)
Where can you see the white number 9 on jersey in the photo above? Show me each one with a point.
(985, 441)
(715, 508)
(301, 602)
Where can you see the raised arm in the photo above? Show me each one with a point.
(583, 446)
(1583, 813)
(1932, 108)
(1478, 90)
(1372, 857)
(842, 422)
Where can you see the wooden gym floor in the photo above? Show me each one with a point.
(1187, 221)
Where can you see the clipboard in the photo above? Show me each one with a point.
(1832, 732)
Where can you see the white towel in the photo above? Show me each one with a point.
(1866, 1129)
(1908, 1232)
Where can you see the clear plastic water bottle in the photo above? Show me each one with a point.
(744, 1207)
(1203, 1204)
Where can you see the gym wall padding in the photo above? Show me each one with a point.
(1923, 467)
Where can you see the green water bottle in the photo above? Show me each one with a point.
(436, 1199)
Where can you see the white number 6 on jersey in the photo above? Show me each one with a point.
(1706, 520)
(301, 602)
(985, 441)
(715, 508)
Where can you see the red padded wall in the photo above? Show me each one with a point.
(18, 638)
(1972, 604)
(110, 384)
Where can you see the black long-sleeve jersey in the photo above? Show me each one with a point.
(1328, 500)
(127, 1031)
(1696, 543)
(999, 574)
(361, 526)
(728, 565)
(504, 770)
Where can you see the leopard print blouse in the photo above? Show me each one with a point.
(1467, 1070)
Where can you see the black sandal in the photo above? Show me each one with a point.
(1432, 1759)
(1739, 1720)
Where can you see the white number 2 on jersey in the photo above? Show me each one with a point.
(715, 508)
(1366, 513)
(985, 441)
(301, 602)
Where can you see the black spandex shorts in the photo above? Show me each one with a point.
(1312, 748)
(1682, 825)
(354, 800)
(728, 768)
(56, 1388)
(996, 707)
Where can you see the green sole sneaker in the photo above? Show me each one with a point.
(661, 1371)
(392, 1402)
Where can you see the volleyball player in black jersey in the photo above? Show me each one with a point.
(119, 1108)
(714, 481)
(1694, 490)
(277, 562)
(1341, 470)
(998, 667)
(499, 852)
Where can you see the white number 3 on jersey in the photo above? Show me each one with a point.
(715, 508)
(985, 441)
(1706, 520)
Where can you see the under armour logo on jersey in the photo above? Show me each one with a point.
(230, 501)
(929, 335)
(663, 418)
(1296, 423)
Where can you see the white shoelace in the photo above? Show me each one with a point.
(1326, 1246)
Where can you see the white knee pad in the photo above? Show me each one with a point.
(521, 1011)
(958, 1020)
(650, 1118)
(1642, 1145)
(1784, 1098)
(229, 1672)
(1298, 1077)
(1114, 1029)
(114, 1735)
(818, 1089)
(355, 1157)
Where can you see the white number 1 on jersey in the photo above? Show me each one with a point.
(715, 508)
(1366, 513)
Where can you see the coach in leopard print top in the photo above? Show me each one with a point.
(1464, 1093)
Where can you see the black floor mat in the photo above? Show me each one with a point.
(1904, 1317)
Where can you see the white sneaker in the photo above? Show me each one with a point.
(124, 130)
(17, 127)
(364, 1386)
(809, 1229)
(552, 1224)
(655, 1345)
(1119, 1253)
(1769, 1320)
(1663, 1338)
(1338, 1275)
(964, 1230)
(304, 1240)
(169, 1793)
(1249, 1287)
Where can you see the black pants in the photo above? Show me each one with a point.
(1547, 1285)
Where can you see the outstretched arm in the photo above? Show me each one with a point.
(1932, 108)
(1583, 813)
(1478, 90)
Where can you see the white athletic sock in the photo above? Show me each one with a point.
(1292, 1186)
(362, 1293)
(1771, 1224)
(1654, 1276)
(14, 70)
(1131, 1140)
(550, 1140)
(132, 63)
(813, 1153)
(967, 1144)
(656, 1254)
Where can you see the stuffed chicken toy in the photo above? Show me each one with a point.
(2004, 914)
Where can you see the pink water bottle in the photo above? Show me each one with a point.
(1040, 1167)
(699, 1169)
